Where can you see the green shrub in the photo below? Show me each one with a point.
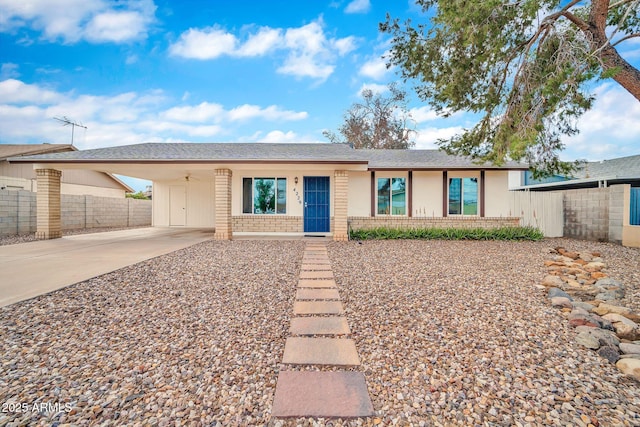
(502, 233)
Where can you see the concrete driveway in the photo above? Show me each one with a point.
(35, 268)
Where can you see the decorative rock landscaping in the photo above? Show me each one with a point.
(602, 323)
(448, 334)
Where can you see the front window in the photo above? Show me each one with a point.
(391, 196)
(463, 196)
(264, 195)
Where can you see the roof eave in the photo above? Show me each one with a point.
(184, 161)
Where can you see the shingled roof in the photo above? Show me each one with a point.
(214, 152)
(621, 167)
(11, 150)
(426, 159)
(268, 153)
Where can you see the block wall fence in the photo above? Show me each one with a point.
(18, 212)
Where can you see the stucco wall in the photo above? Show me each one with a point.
(359, 194)
(70, 176)
(18, 212)
(65, 188)
(199, 203)
(427, 194)
(496, 193)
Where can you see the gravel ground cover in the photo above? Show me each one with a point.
(24, 238)
(449, 333)
(455, 333)
(194, 337)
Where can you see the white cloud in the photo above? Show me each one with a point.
(426, 137)
(27, 112)
(423, 114)
(278, 136)
(610, 129)
(310, 53)
(373, 87)
(358, 6)
(264, 41)
(198, 113)
(96, 21)
(246, 112)
(115, 27)
(375, 68)
(14, 91)
(282, 137)
(208, 43)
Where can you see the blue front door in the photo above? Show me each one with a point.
(316, 204)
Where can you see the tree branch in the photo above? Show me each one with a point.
(620, 3)
(627, 37)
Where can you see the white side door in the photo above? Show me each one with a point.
(177, 205)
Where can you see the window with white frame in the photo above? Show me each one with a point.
(264, 195)
(463, 196)
(392, 196)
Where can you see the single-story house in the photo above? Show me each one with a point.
(16, 176)
(296, 189)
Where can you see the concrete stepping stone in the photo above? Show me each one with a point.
(320, 351)
(319, 326)
(316, 283)
(317, 307)
(315, 267)
(316, 274)
(321, 394)
(316, 261)
(321, 293)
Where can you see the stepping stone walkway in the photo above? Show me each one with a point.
(320, 337)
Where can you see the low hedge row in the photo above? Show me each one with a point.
(502, 233)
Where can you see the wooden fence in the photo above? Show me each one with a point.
(543, 210)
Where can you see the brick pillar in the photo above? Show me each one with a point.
(48, 203)
(224, 229)
(340, 205)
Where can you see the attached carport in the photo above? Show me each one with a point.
(49, 222)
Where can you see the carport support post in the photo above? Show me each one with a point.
(223, 205)
(48, 204)
(340, 205)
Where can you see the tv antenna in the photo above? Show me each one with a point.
(68, 122)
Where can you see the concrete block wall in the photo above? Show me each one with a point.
(586, 213)
(366, 223)
(18, 212)
(616, 212)
(139, 212)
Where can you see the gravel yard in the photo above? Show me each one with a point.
(450, 333)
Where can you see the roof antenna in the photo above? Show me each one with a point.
(68, 122)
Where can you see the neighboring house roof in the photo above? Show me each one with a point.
(265, 153)
(622, 170)
(619, 168)
(12, 152)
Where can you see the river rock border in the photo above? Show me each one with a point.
(577, 284)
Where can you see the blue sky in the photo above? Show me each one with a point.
(225, 71)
